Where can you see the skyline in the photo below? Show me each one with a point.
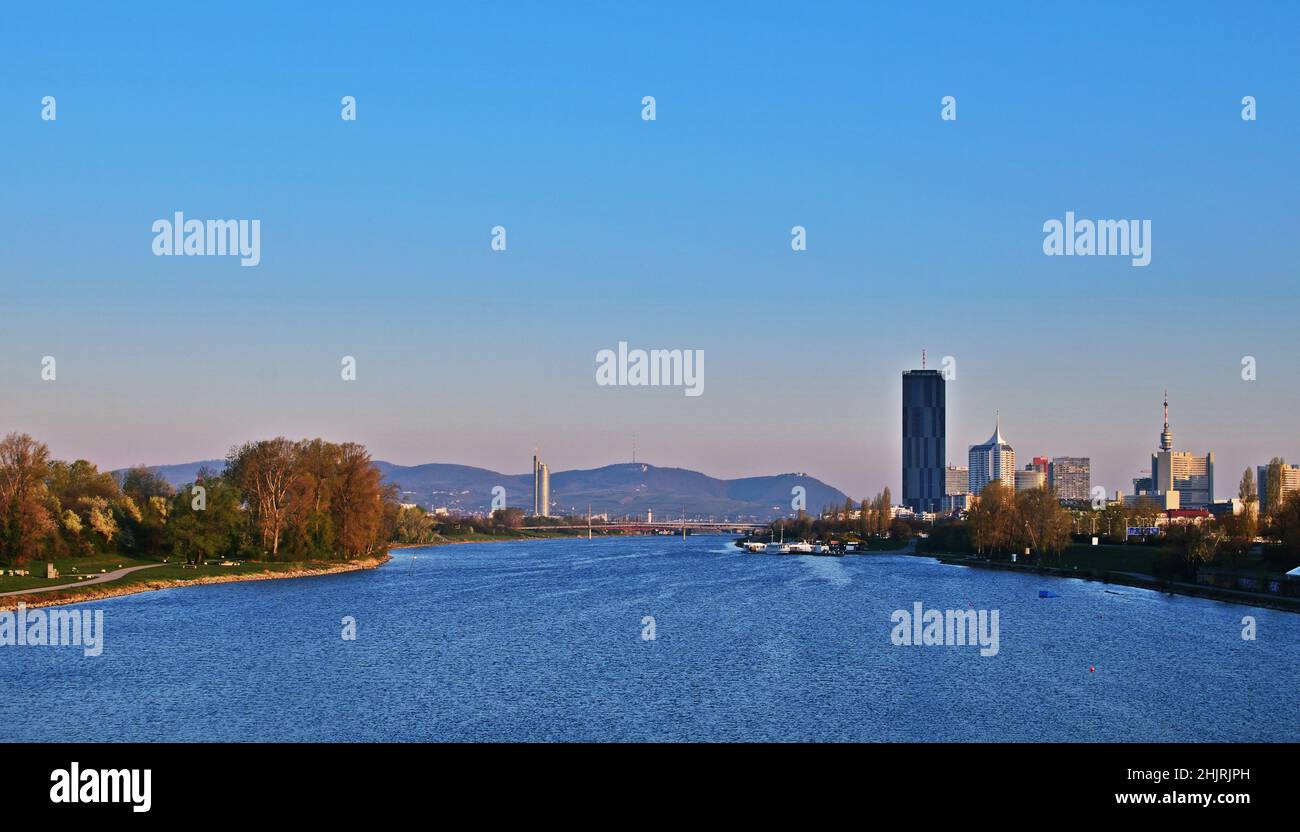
(542, 470)
(675, 233)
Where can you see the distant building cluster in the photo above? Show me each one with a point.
(1180, 484)
(931, 486)
(1179, 479)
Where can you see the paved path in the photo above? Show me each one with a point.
(98, 579)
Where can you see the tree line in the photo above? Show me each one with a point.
(274, 499)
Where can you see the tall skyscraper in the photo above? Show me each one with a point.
(1071, 478)
(924, 439)
(541, 488)
(992, 460)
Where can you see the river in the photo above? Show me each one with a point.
(550, 640)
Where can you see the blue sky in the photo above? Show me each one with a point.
(672, 233)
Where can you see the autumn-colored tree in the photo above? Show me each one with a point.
(357, 502)
(993, 520)
(1042, 523)
(26, 521)
(264, 472)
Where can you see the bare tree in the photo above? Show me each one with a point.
(264, 472)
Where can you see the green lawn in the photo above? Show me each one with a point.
(1107, 558)
(69, 569)
(883, 544)
(173, 571)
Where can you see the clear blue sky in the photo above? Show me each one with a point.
(672, 233)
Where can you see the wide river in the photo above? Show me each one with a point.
(548, 641)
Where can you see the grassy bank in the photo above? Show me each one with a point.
(156, 575)
(1121, 565)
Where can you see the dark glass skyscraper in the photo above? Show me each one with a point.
(924, 439)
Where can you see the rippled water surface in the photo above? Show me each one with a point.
(543, 641)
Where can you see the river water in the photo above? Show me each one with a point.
(548, 640)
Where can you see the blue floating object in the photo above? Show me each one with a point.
(1045, 593)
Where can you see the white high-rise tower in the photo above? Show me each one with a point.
(993, 460)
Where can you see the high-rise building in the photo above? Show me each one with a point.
(1071, 478)
(924, 439)
(1030, 478)
(541, 488)
(956, 480)
(1190, 475)
(1288, 481)
(992, 460)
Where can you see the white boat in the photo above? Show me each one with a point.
(755, 546)
(803, 547)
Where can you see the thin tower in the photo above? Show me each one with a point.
(1166, 437)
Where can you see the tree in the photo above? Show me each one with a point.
(1116, 524)
(264, 473)
(209, 531)
(357, 502)
(508, 518)
(142, 484)
(992, 520)
(1247, 491)
(1043, 523)
(1288, 523)
(1195, 545)
(1272, 496)
(26, 521)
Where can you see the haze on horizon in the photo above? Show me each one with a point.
(666, 234)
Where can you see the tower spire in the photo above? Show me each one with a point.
(1166, 437)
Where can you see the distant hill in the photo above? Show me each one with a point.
(624, 488)
(183, 474)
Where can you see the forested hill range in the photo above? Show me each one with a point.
(628, 488)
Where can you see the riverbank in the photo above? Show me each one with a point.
(150, 577)
(1119, 578)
